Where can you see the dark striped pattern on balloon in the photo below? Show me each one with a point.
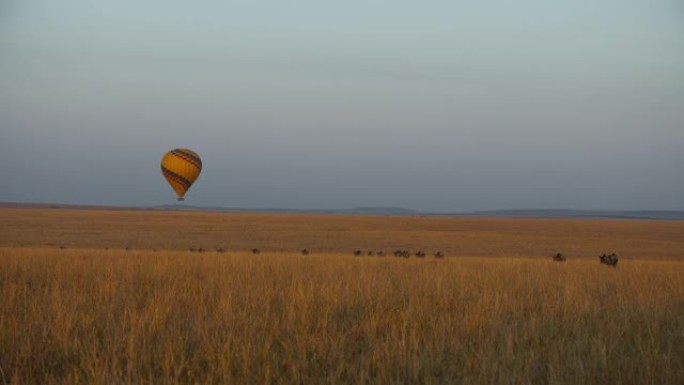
(175, 177)
(188, 156)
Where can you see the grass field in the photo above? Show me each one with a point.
(497, 310)
(456, 236)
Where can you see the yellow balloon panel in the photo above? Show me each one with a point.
(181, 167)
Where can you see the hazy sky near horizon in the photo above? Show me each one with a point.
(431, 105)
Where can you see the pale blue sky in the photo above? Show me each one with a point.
(431, 105)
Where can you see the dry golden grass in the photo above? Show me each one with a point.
(84, 314)
(164, 230)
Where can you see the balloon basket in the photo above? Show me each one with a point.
(181, 199)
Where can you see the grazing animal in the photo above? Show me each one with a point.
(62, 247)
(609, 259)
(305, 251)
(397, 253)
(192, 249)
(357, 252)
(420, 254)
(439, 254)
(380, 253)
(405, 253)
(200, 250)
(219, 250)
(371, 253)
(256, 251)
(559, 257)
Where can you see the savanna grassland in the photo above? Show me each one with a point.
(115, 296)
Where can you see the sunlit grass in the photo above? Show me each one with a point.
(111, 316)
(97, 296)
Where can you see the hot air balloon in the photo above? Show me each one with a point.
(181, 167)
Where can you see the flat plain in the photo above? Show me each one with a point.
(116, 296)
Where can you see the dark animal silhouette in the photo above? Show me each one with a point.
(559, 257)
(305, 251)
(439, 254)
(256, 251)
(609, 259)
(219, 250)
(371, 253)
(420, 254)
(402, 253)
(380, 253)
(357, 252)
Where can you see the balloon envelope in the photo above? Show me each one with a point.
(181, 167)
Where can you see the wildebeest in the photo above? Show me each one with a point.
(420, 254)
(357, 252)
(256, 251)
(559, 257)
(305, 251)
(219, 250)
(439, 254)
(609, 259)
(192, 249)
(380, 253)
(371, 253)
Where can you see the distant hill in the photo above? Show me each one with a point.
(357, 210)
(563, 213)
(521, 213)
(382, 210)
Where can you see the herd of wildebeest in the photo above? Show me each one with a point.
(606, 259)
